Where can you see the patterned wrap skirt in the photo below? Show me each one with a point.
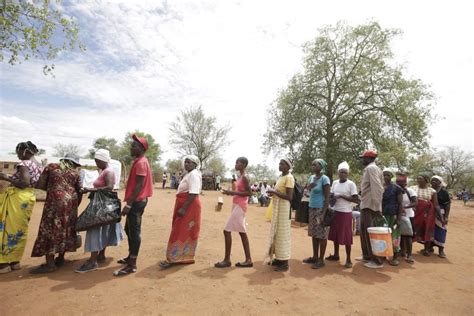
(316, 229)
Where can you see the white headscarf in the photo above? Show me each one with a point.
(388, 170)
(439, 179)
(102, 155)
(193, 159)
(288, 162)
(343, 166)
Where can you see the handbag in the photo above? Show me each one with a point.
(405, 226)
(103, 209)
(329, 216)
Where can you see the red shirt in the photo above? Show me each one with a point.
(140, 167)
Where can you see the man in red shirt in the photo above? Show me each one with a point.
(139, 189)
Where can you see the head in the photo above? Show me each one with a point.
(284, 165)
(26, 150)
(343, 174)
(264, 183)
(387, 176)
(368, 157)
(139, 146)
(436, 182)
(102, 158)
(423, 179)
(71, 161)
(402, 180)
(190, 163)
(322, 165)
(241, 163)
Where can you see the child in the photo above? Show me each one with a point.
(236, 220)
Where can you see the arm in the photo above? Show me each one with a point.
(400, 207)
(22, 182)
(376, 185)
(247, 192)
(42, 183)
(288, 195)
(353, 198)
(140, 180)
(434, 200)
(327, 194)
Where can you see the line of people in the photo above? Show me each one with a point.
(424, 210)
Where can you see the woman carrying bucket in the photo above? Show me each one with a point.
(426, 208)
(392, 210)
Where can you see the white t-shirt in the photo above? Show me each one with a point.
(347, 188)
(191, 182)
(263, 190)
(406, 201)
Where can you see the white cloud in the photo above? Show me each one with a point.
(148, 60)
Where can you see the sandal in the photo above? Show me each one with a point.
(409, 259)
(223, 264)
(310, 260)
(426, 253)
(244, 265)
(123, 260)
(44, 268)
(318, 265)
(165, 265)
(128, 269)
(332, 258)
(348, 265)
(394, 262)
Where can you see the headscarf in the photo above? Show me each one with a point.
(288, 162)
(425, 175)
(102, 155)
(439, 179)
(27, 146)
(388, 170)
(322, 163)
(193, 159)
(343, 166)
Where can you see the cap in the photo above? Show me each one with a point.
(72, 157)
(102, 155)
(369, 153)
(141, 140)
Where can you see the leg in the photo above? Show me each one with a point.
(246, 245)
(322, 248)
(409, 247)
(94, 255)
(101, 256)
(364, 235)
(315, 247)
(228, 246)
(336, 249)
(348, 257)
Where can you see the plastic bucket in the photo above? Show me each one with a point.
(381, 241)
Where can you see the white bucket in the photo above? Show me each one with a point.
(381, 241)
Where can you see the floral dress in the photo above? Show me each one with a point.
(57, 231)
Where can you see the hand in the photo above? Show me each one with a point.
(226, 192)
(84, 190)
(126, 209)
(181, 212)
(3, 176)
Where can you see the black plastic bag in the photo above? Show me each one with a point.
(103, 209)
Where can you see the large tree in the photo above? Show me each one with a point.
(349, 96)
(216, 165)
(261, 172)
(456, 165)
(35, 29)
(194, 133)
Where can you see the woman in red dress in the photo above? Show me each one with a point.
(57, 231)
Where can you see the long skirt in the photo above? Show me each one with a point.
(279, 245)
(57, 230)
(16, 206)
(440, 232)
(396, 233)
(103, 236)
(341, 228)
(236, 222)
(185, 231)
(316, 229)
(424, 221)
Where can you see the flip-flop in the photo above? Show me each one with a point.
(348, 265)
(244, 265)
(165, 265)
(223, 264)
(409, 260)
(310, 260)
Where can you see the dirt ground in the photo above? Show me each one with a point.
(430, 286)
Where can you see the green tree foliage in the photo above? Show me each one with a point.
(216, 165)
(350, 96)
(193, 133)
(111, 144)
(35, 29)
(60, 150)
(174, 166)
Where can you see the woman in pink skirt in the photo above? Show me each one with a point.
(344, 193)
(236, 222)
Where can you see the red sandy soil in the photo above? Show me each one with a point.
(430, 286)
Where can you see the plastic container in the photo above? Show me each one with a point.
(381, 241)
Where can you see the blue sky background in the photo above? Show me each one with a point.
(147, 61)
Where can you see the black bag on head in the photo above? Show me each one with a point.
(103, 209)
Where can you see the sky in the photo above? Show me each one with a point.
(147, 61)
